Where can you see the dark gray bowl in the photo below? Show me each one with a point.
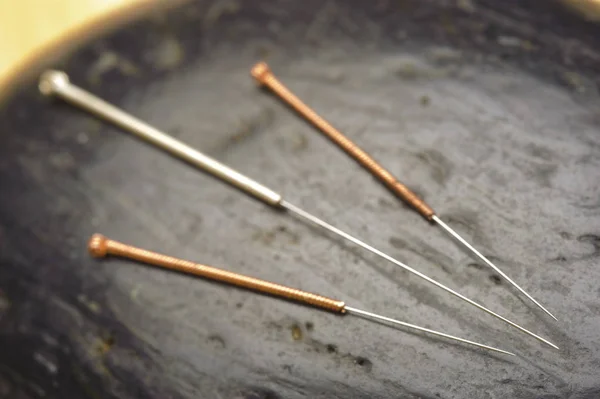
(487, 109)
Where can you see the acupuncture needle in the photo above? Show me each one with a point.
(56, 83)
(100, 246)
(263, 74)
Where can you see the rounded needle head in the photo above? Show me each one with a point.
(51, 82)
(375, 316)
(260, 71)
(485, 260)
(321, 223)
(97, 246)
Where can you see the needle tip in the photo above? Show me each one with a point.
(543, 308)
(550, 344)
(500, 350)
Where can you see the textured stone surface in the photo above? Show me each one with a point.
(492, 118)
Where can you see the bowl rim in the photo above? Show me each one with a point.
(26, 69)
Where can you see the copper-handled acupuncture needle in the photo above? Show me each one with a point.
(56, 83)
(263, 74)
(100, 247)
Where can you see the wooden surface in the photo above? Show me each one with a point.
(30, 30)
(485, 110)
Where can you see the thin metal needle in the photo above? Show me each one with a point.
(385, 256)
(375, 316)
(454, 234)
(100, 246)
(263, 74)
(57, 83)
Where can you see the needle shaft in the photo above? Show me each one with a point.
(341, 233)
(263, 74)
(100, 246)
(57, 83)
(374, 316)
(456, 236)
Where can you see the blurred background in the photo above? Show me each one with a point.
(31, 29)
(507, 89)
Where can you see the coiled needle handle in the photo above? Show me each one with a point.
(100, 246)
(56, 83)
(263, 74)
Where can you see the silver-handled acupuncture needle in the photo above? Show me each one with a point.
(100, 246)
(56, 83)
(262, 73)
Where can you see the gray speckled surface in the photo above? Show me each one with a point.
(508, 157)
